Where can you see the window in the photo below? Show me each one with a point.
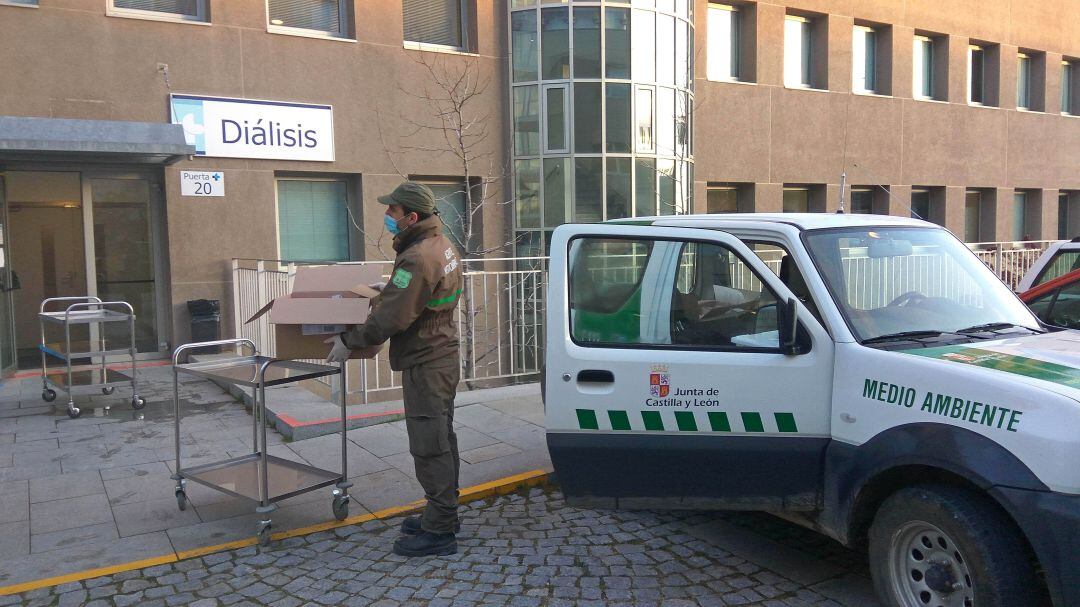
(556, 108)
(617, 42)
(587, 42)
(862, 201)
(976, 75)
(797, 52)
(1065, 215)
(185, 10)
(1068, 88)
(556, 191)
(1062, 263)
(527, 192)
(701, 295)
(438, 22)
(723, 42)
(972, 216)
(1019, 224)
(588, 190)
(920, 204)
(619, 177)
(313, 220)
(31, 3)
(1060, 307)
(644, 121)
(864, 59)
(722, 199)
(619, 139)
(330, 17)
(526, 121)
(796, 200)
(525, 49)
(1023, 81)
(450, 201)
(923, 68)
(587, 118)
(555, 43)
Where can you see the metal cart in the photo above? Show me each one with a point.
(259, 477)
(86, 311)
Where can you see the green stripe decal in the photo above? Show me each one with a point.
(785, 422)
(444, 300)
(719, 422)
(1009, 363)
(619, 420)
(652, 420)
(686, 421)
(752, 422)
(586, 418)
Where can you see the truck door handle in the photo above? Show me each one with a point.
(596, 376)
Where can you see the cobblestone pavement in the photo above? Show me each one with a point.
(519, 550)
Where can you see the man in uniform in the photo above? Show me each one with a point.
(416, 313)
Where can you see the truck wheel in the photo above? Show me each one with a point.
(940, 546)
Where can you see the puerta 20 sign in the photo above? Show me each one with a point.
(246, 128)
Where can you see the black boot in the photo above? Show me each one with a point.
(426, 544)
(411, 526)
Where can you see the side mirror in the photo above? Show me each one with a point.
(789, 328)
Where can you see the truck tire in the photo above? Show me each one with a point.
(941, 546)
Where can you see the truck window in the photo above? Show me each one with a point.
(892, 280)
(777, 259)
(1062, 263)
(668, 293)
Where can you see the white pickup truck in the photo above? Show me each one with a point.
(866, 376)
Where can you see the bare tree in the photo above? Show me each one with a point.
(462, 123)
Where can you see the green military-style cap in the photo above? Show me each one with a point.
(411, 196)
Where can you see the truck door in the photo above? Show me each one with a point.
(666, 384)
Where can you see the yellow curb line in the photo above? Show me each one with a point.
(501, 486)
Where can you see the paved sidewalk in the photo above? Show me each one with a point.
(522, 550)
(95, 491)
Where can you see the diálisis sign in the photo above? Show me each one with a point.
(245, 128)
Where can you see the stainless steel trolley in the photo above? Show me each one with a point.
(86, 311)
(259, 477)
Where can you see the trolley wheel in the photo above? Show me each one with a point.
(138, 402)
(181, 499)
(108, 390)
(73, 411)
(48, 395)
(264, 533)
(341, 507)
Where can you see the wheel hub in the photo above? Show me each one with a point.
(939, 578)
(928, 569)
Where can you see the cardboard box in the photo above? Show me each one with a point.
(324, 301)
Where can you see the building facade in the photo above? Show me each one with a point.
(144, 144)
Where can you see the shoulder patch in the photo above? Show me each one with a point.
(401, 278)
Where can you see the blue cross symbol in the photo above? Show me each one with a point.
(217, 176)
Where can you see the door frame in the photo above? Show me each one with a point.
(158, 245)
(155, 174)
(9, 355)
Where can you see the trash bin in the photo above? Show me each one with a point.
(205, 322)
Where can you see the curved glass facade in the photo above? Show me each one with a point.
(602, 99)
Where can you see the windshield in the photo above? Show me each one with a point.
(901, 280)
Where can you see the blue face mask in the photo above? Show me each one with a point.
(391, 224)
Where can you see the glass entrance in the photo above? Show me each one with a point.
(81, 233)
(124, 252)
(7, 285)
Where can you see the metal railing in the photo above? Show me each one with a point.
(501, 315)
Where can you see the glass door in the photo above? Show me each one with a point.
(127, 264)
(7, 285)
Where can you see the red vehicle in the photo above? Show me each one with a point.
(1056, 302)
